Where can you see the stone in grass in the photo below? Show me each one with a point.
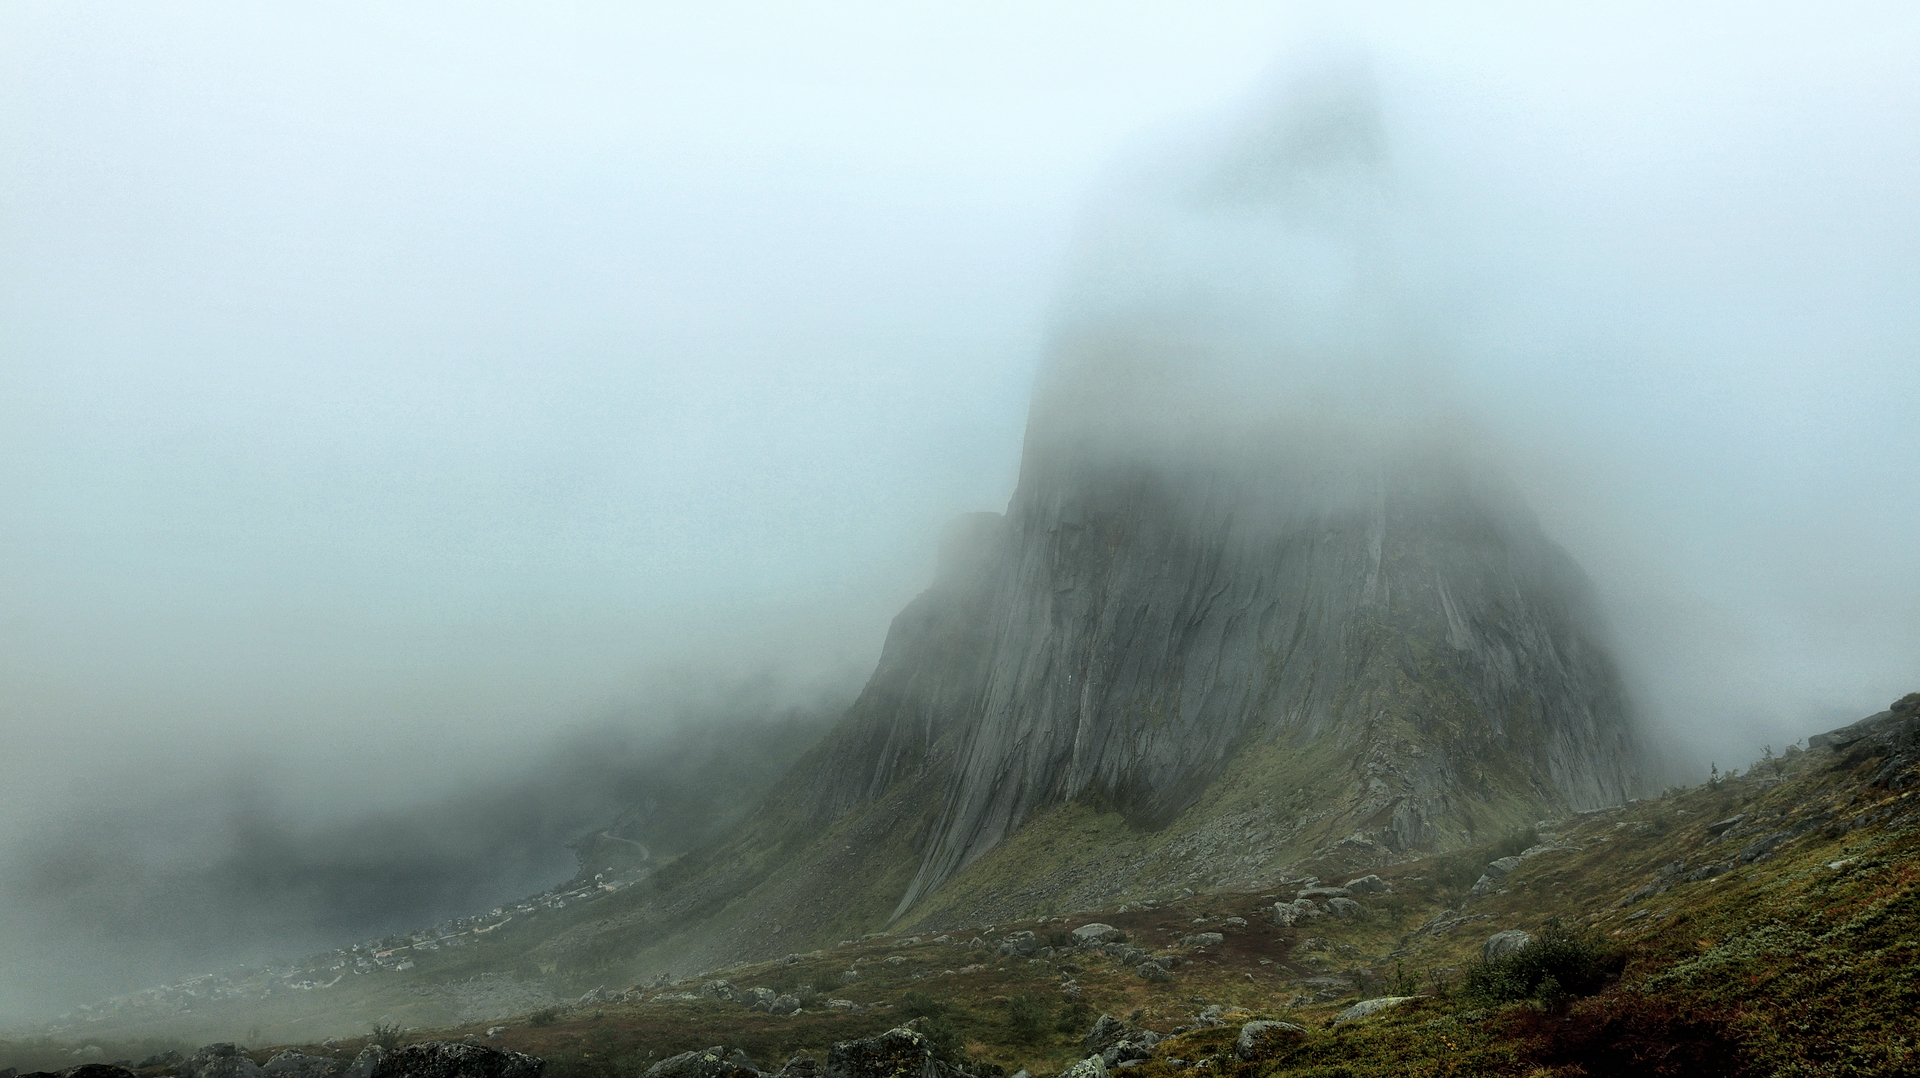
(1368, 1007)
(1501, 944)
(1260, 1039)
(1090, 1067)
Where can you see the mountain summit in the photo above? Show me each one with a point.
(1254, 604)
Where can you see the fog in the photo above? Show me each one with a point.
(410, 417)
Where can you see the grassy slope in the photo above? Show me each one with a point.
(1803, 963)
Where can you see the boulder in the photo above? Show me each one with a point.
(1020, 945)
(1323, 893)
(701, 1063)
(168, 1058)
(800, 1066)
(220, 1060)
(720, 990)
(784, 1005)
(1499, 869)
(1093, 934)
(1369, 885)
(1107, 1031)
(452, 1059)
(1090, 1067)
(1344, 908)
(1260, 1039)
(1501, 944)
(1369, 1006)
(1288, 914)
(1203, 939)
(1762, 848)
(1720, 826)
(296, 1064)
(365, 1063)
(1153, 971)
(897, 1053)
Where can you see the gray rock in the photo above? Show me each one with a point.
(1093, 934)
(721, 990)
(1323, 893)
(1762, 848)
(1288, 914)
(1368, 1007)
(1153, 971)
(784, 1005)
(1369, 885)
(1503, 866)
(1729, 823)
(452, 1059)
(365, 1063)
(897, 1053)
(1258, 1040)
(1501, 944)
(1106, 1032)
(296, 1064)
(1344, 908)
(715, 1062)
(1019, 945)
(1203, 939)
(221, 1060)
(1090, 1067)
(800, 1066)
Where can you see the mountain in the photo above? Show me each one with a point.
(1255, 598)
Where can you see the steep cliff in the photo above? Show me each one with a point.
(1254, 604)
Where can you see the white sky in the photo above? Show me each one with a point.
(399, 383)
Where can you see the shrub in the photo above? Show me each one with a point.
(1559, 964)
(1058, 939)
(1515, 843)
(545, 1016)
(386, 1034)
(1075, 1017)
(1025, 1019)
(917, 1004)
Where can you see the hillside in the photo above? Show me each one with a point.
(1764, 923)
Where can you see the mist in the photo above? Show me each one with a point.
(404, 415)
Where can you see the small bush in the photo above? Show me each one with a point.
(1025, 1019)
(1075, 1017)
(1058, 939)
(545, 1016)
(1558, 965)
(917, 1004)
(1515, 843)
(386, 1034)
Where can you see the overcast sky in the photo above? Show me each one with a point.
(389, 387)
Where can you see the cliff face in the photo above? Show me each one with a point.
(1254, 607)
(1131, 625)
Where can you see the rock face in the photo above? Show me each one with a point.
(1212, 551)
